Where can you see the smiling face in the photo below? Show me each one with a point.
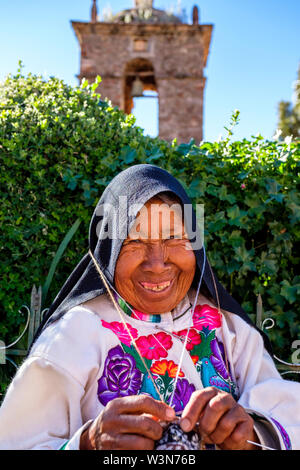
(156, 264)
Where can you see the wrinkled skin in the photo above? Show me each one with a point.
(128, 423)
(153, 254)
(219, 419)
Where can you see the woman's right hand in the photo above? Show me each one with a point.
(127, 423)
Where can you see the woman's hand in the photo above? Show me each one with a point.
(221, 419)
(127, 423)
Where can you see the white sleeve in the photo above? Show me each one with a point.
(263, 392)
(41, 409)
(43, 406)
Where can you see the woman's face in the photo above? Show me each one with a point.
(155, 269)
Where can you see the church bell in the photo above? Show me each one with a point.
(137, 88)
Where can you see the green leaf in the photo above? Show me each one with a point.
(232, 266)
(236, 216)
(128, 154)
(233, 212)
(203, 349)
(289, 292)
(139, 363)
(235, 238)
(101, 181)
(217, 222)
(155, 155)
(196, 188)
(224, 196)
(58, 255)
(252, 201)
(213, 190)
(273, 187)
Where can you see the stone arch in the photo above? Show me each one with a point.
(144, 70)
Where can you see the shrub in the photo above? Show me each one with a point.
(60, 146)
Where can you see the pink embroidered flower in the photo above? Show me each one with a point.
(121, 332)
(154, 346)
(193, 338)
(205, 315)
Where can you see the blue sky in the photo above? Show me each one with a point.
(252, 65)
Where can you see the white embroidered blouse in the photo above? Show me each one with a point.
(87, 358)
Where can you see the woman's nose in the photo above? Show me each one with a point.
(155, 258)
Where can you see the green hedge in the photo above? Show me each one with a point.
(60, 146)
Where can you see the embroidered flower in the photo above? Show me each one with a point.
(218, 358)
(121, 332)
(120, 376)
(182, 394)
(166, 367)
(193, 338)
(206, 316)
(195, 359)
(154, 346)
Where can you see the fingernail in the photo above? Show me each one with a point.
(170, 413)
(185, 424)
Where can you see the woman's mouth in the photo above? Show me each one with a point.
(155, 287)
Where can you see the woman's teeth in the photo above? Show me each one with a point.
(156, 287)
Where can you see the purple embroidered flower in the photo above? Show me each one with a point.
(218, 358)
(182, 394)
(120, 377)
(284, 435)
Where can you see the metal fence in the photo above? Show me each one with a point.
(283, 367)
(34, 318)
(34, 312)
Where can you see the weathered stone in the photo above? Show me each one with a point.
(168, 58)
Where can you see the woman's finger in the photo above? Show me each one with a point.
(139, 404)
(238, 438)
(214, 410)
(195, 407)
(125, 442)
(226, 425)
(135, 424)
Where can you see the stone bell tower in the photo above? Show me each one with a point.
(143, 48)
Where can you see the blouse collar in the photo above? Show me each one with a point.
(183, 307)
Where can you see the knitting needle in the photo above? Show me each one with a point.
(260, 445)
(252, 442)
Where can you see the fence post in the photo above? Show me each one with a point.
(259, 311)
(35, 313)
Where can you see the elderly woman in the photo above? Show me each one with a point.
(142, 334)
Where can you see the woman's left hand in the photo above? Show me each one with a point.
(219, 419)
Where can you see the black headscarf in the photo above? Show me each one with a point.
(137, 184)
